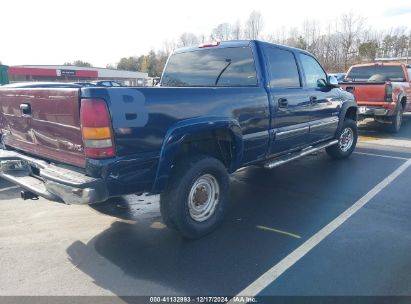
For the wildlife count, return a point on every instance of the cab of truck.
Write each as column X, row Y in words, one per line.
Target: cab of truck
column 382, row 91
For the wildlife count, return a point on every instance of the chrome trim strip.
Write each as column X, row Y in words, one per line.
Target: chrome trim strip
column 291, row 133
column 324, row 124
column 256, row 135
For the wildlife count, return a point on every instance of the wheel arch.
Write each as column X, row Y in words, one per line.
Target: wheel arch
column 403, row 100
column 182, row 132
column 348, row 110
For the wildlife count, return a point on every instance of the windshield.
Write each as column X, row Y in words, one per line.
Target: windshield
column 376, row 73
column 211, row 67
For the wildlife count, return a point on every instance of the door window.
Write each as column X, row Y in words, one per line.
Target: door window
column 314, row 74
column 283, row 68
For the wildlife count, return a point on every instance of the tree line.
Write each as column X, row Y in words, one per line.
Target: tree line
column 339, row 44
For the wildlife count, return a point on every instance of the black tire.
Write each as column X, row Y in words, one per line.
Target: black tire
column 174, row 201
column 343, row 149
column 165, row 213
column 396, row 120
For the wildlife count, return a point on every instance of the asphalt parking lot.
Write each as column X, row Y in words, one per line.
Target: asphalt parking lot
column 276, row 240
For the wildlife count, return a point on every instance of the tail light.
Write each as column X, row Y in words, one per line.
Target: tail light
column 388, row 92
column 96, row 129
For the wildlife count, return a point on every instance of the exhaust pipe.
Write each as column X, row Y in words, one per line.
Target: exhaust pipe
column 26, row 195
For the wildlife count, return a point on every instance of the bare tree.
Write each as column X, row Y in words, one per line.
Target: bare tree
column 254, row 25
column 292, row 37
column 330, row 54
column 281, row 35
column 221, row 32
column 311, row 33
column 236, row 31
column 187, row 39
column 351, row 27
column 169, row 46
column 202, row 38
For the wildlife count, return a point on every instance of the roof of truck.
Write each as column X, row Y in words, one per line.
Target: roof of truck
column 232, row 43
column 378, row 63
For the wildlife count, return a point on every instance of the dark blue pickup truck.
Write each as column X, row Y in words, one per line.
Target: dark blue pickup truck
column 219, row 107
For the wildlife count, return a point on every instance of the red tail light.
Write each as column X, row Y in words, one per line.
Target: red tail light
column 388, row 92
column 96, row 129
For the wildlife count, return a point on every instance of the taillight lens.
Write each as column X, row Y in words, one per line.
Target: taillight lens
column 96, row 129
column 388, row 92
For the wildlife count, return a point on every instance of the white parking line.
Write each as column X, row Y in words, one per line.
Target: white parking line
column 381, row 155
column 9, row 188
column 277, row 270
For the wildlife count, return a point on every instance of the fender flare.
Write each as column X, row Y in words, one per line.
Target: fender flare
column 343, row 112
column 176, row 135
column 401, row 96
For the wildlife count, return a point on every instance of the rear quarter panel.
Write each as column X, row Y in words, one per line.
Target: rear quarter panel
column 142, row 116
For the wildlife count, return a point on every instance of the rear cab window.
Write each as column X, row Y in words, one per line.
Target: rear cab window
column 282, row 68
column 376, row 73
column 219, row 67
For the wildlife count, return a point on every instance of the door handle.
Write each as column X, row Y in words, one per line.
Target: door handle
column 282, row 102
column 313, row 99
column 25, row 108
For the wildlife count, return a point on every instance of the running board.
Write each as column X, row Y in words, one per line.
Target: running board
column 270, row 164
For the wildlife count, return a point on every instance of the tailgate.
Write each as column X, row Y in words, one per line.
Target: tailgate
column 366, row 92
column 44, row 122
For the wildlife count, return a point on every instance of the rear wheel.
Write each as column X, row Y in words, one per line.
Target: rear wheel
column 347, row 140
column 396, row 120
column 195, row 200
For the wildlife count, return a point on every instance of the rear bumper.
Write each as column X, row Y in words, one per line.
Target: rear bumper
column 372, row 111
column 376, row 108
column 58, row 183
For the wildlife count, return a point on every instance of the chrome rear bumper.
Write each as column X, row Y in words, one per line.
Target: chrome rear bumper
column 51, row 181
column 370, row 111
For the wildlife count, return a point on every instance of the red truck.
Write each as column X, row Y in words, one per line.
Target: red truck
column 382, row 91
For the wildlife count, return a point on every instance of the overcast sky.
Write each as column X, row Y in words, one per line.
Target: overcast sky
column 101, row 32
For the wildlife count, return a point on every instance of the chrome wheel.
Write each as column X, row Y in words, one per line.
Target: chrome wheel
column 346, row 139
column 203, row 198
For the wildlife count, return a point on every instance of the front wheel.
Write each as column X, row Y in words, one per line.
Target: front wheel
column 195, row 200
column 347, row 140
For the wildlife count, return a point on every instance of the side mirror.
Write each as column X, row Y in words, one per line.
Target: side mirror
column 333, row 82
